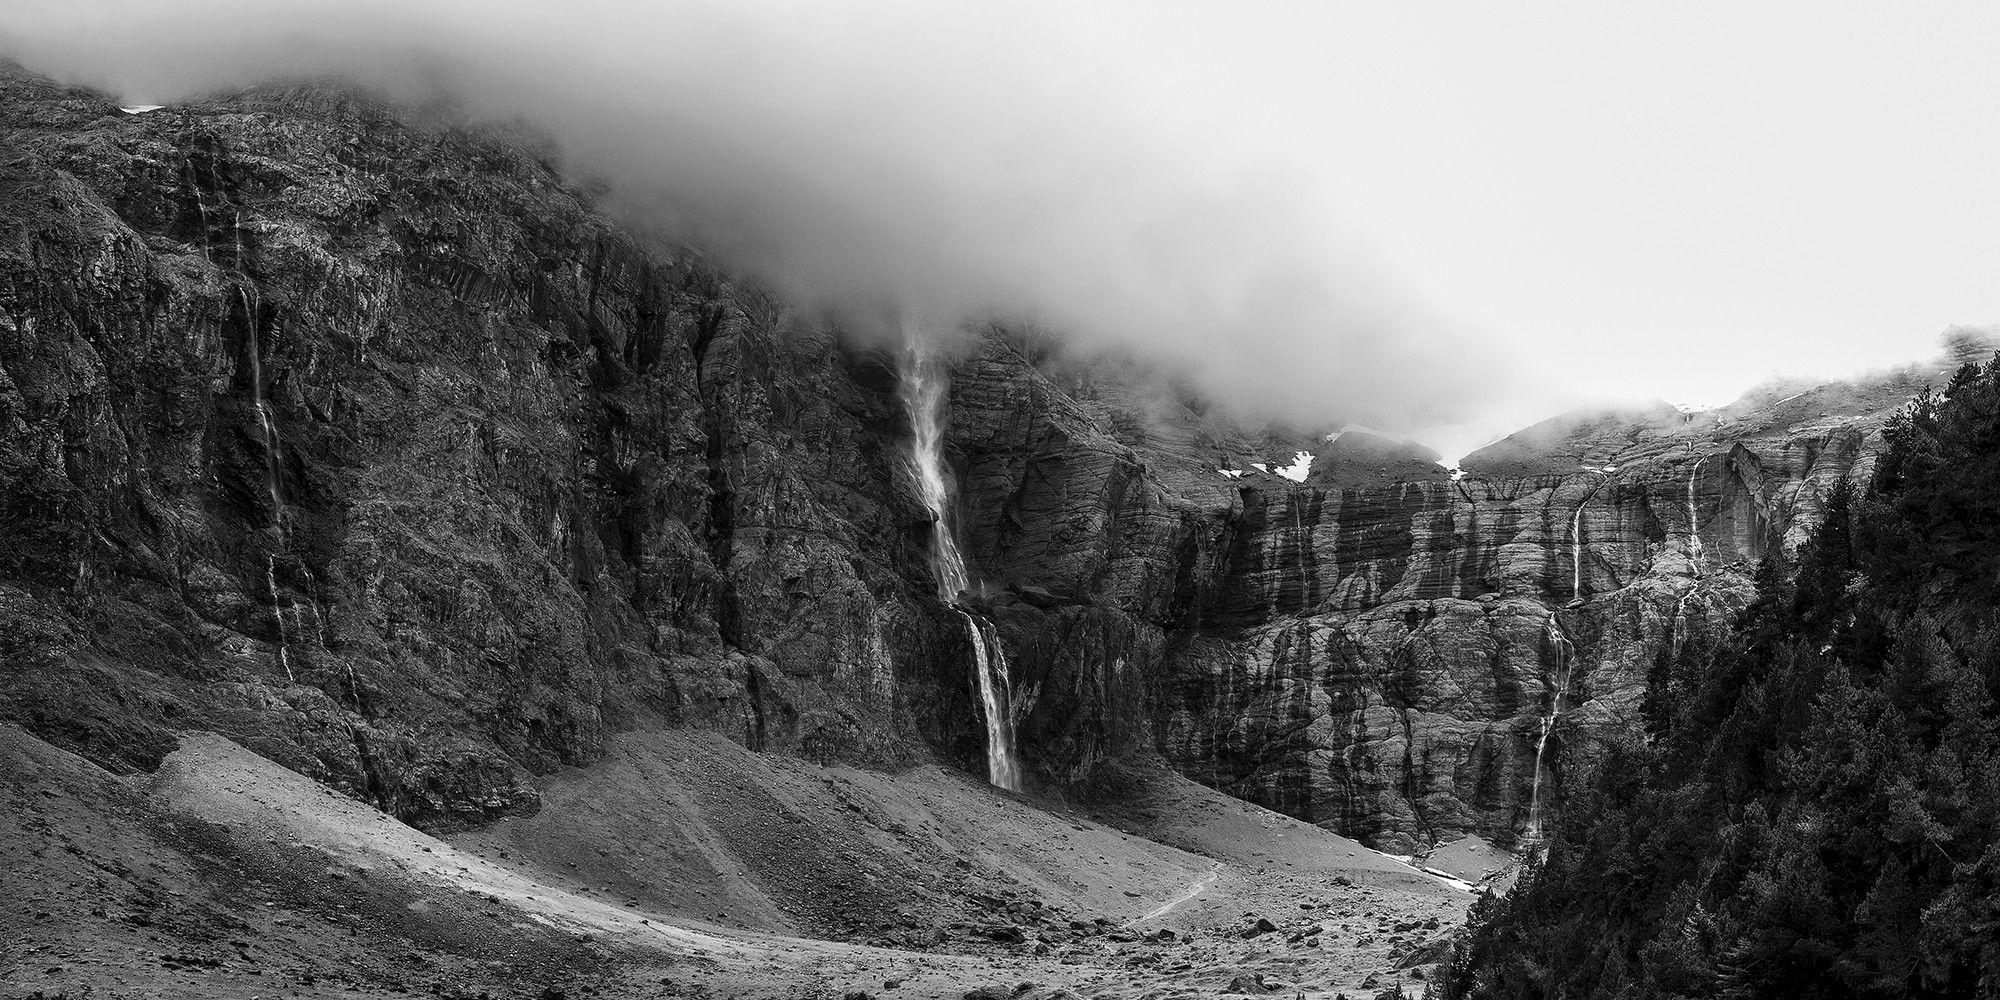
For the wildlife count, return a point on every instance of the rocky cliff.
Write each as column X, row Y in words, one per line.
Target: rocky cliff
column 371, row 443
column 1380, row 647
column 374, row 446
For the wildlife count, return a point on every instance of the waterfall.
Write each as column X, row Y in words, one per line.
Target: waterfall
column 200, row 208
column 1304, row 543
column 1695, row 555
column 1552, row 631
column 267, row 422
column 271, row 444
column 278, row 609
column 1694, row 523
column 1002, row 768
column 1576, row 553
column 924, row 383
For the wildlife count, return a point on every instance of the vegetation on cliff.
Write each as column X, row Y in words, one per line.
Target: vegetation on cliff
column 1815, row 813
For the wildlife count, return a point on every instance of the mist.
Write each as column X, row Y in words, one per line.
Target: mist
column 951, row 163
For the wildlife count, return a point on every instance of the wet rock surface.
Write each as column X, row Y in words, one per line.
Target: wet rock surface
column 374, row 445
column 1376, row 648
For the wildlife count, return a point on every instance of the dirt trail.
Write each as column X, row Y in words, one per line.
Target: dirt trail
column 1196, row 888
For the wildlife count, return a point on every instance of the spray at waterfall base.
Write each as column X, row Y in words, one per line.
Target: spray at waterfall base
column 924, row 384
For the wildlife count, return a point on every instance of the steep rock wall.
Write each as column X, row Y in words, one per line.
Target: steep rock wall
column 378, row 449
column 1374, row 649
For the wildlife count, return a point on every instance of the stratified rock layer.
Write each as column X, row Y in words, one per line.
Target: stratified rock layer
column 1377, row 648
column 375, row 447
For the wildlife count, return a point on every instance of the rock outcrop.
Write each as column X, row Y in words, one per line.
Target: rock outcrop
column 376, row 447
column 1376, row 648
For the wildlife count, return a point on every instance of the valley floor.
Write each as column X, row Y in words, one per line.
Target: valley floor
column 686, row 866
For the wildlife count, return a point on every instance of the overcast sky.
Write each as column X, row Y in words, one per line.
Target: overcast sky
column 1413, row 212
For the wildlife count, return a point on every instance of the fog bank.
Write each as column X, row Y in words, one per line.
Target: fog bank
column 957, row 162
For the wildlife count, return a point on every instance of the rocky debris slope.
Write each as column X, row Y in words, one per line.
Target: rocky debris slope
column 223, row 875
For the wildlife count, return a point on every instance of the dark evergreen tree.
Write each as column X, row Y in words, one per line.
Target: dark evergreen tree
column 1817, row 809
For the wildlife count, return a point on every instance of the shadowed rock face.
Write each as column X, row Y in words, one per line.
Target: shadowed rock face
column 1372, row 650
column 376, row 448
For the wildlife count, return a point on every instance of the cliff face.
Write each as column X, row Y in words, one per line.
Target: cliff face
column 374, row 447
column 1379, row 647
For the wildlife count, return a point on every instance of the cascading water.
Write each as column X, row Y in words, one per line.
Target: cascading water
column 1565, row 651
column 1552, row 632
column 1576, row 553
column 1695, row 555
column 278, row 609
column 273, row 446
column 200, row 208
column 1304, row 544
column 923, row 390
column 1694, row 522
column 268, row 440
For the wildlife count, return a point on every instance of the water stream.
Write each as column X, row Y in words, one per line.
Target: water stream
column 1694, row 522
column 272, row 445
column 1565, row 653
column 924, row 383
column 1552, row 632
column 1695, row 555
column 1576, row 553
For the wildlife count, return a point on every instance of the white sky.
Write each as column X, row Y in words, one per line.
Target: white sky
column 1621, row 199
column 1670, row 200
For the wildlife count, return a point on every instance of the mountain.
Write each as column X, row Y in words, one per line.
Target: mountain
column 1815, row 811
column 358, row 454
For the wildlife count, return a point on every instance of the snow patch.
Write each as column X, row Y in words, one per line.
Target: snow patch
column 1449, row 879
column 140, row 109
column 1301, row 464
column 1231, row 473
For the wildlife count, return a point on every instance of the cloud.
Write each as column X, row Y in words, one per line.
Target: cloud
column 951, row 161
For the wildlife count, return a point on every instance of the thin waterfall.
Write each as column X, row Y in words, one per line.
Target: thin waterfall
column 1576, row 553
column 1695, row 555
column 200, row 208
column 1303, row 542
column 1552, row 632
column 1576, row 537
column 924, row 382
column 1565, row 652
column 272, row 445
column 278, row 609
column 1694, row 522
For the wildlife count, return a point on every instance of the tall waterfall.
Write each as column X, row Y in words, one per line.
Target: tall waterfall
column 1565, row 651
column 1552, row 632
column 924, row 383
column 270, row 444
column 1695, row 555
column 1694, row 522
column 1576, row 552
